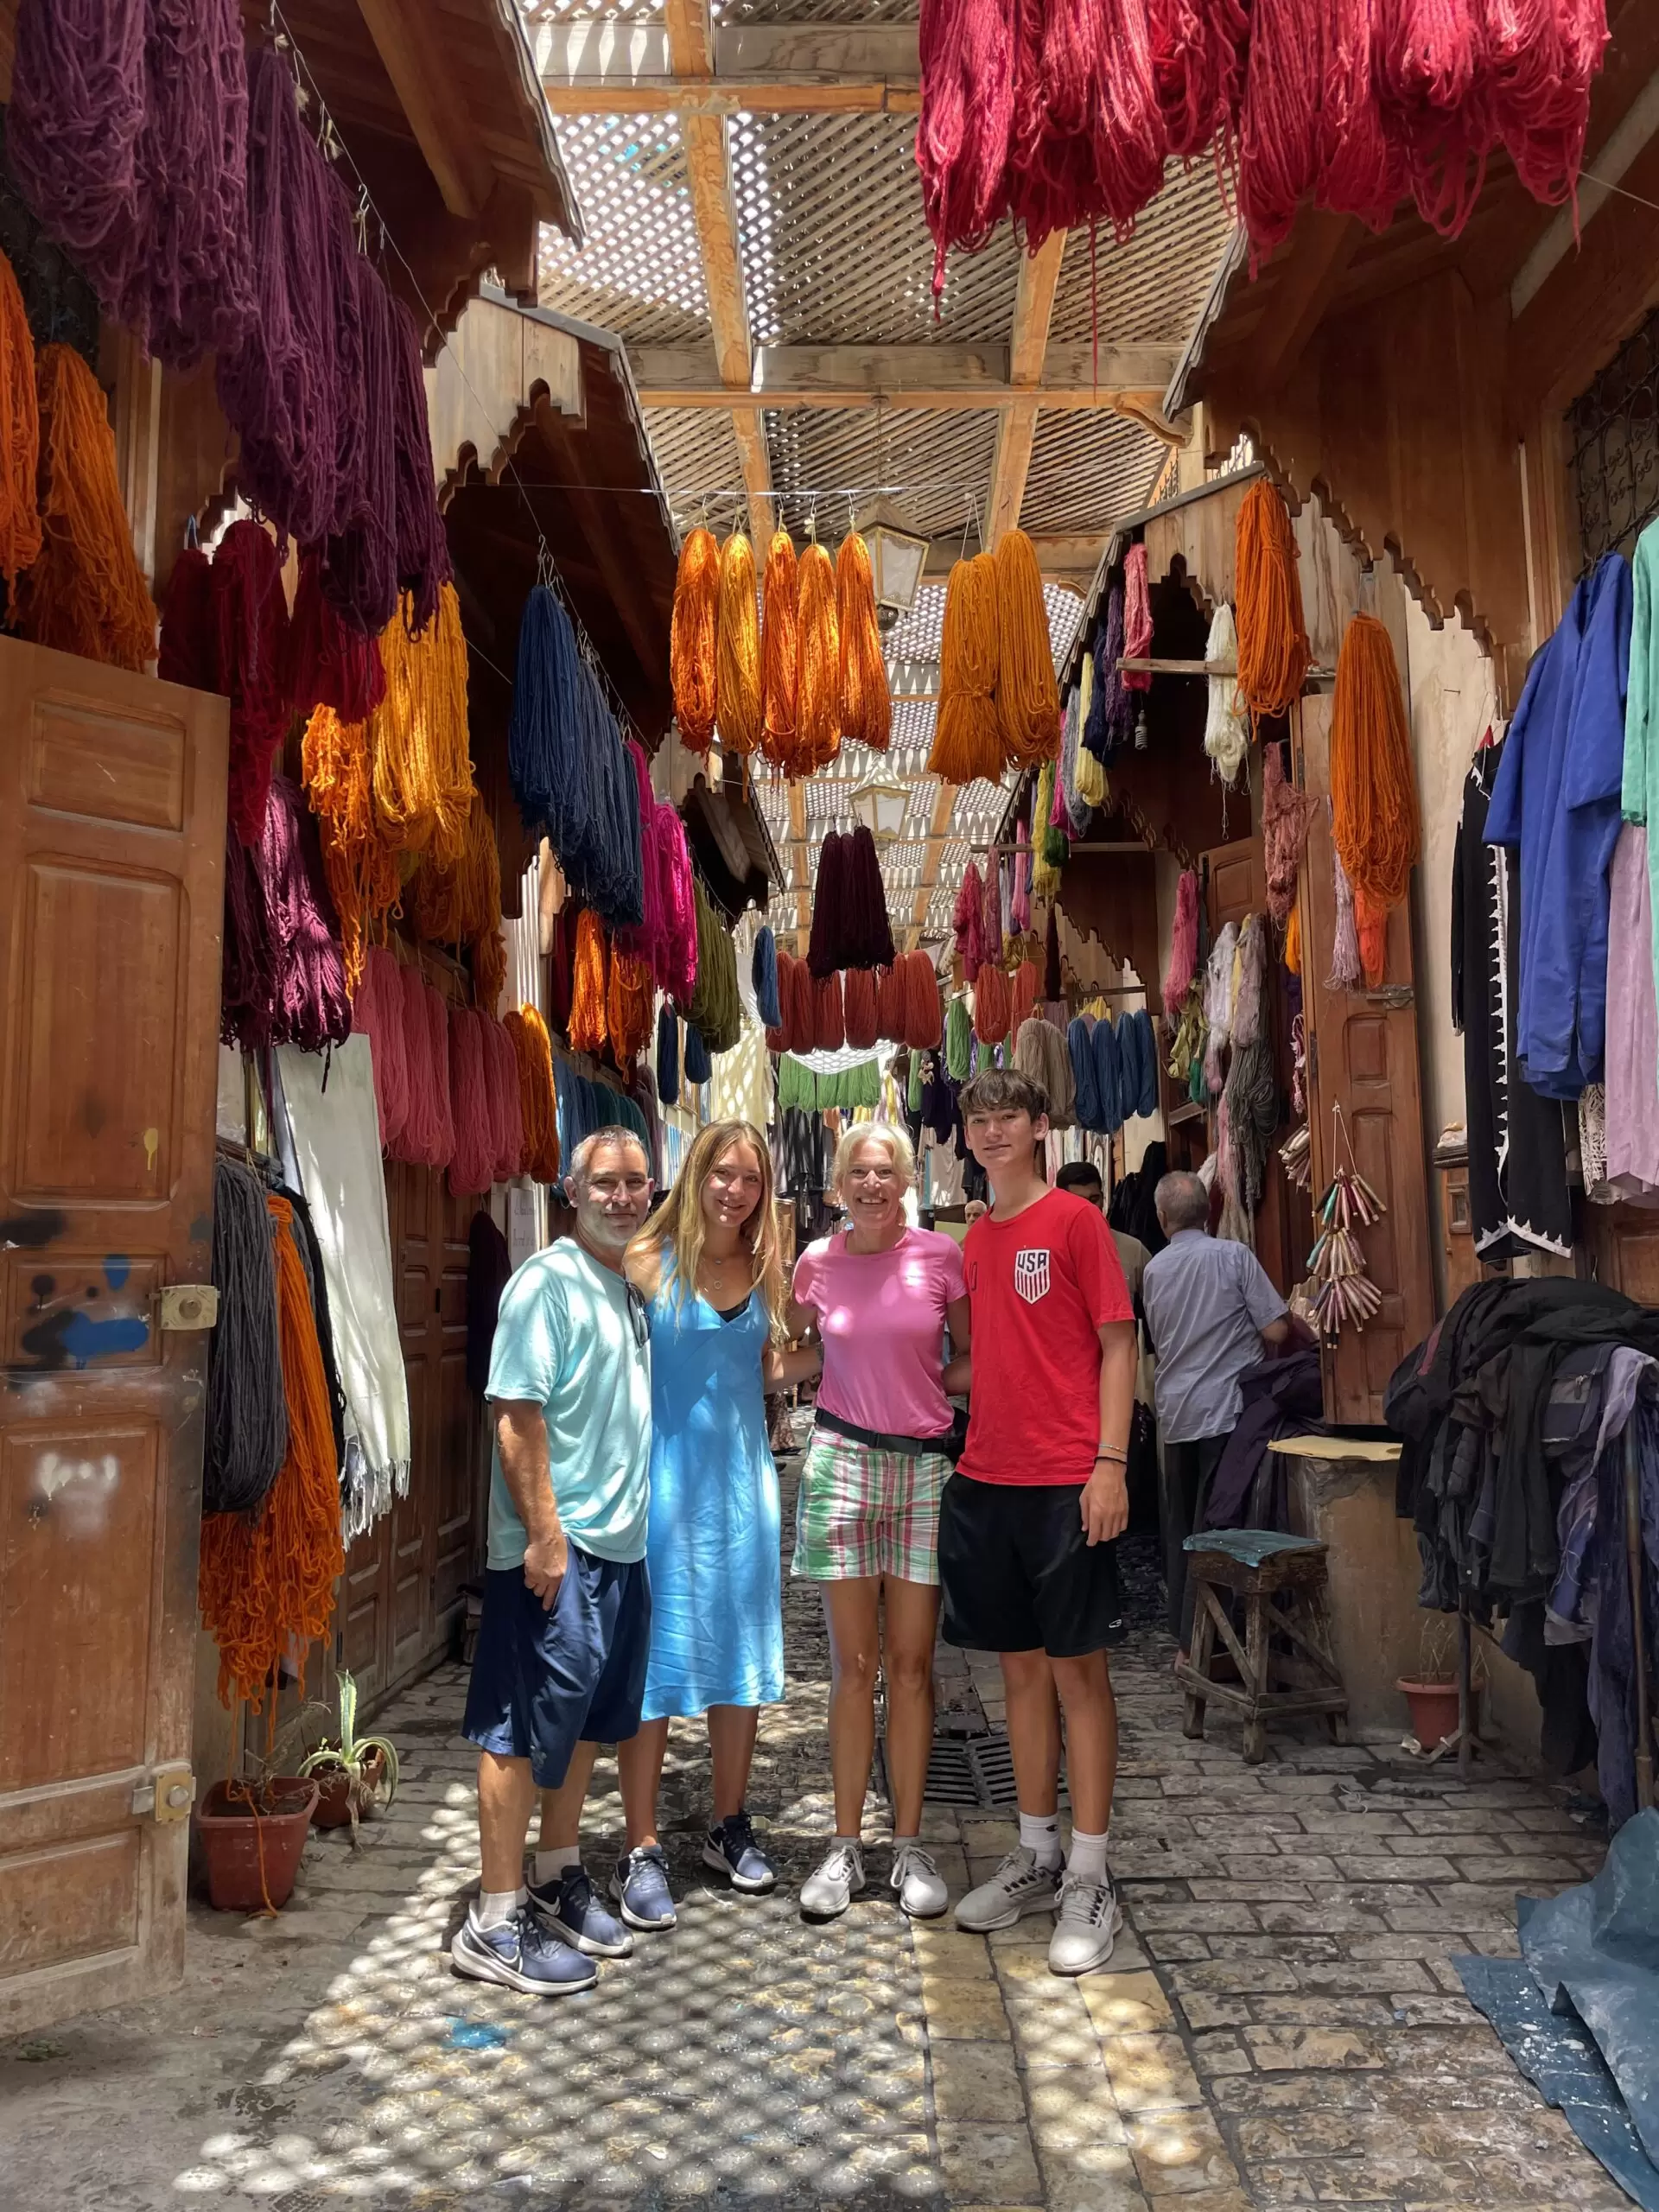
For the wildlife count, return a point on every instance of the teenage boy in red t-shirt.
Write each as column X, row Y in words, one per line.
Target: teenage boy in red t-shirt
column 1026, row 1523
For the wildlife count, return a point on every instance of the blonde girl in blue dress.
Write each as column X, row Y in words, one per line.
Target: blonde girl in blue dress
column 709, row 1265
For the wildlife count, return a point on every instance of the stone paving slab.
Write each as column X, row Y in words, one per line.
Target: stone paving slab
column 1281, row 2024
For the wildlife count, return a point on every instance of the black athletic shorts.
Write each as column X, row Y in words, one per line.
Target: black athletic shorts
column 1017, row 1573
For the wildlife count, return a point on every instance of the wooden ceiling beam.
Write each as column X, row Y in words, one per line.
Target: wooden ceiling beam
column 713, row 210
column 595, row 67
column 1142, row 404
column 1033, row 307
column 411, row 42
column 938, row 830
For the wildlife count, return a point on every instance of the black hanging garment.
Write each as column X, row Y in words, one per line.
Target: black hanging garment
column 1518, row 1198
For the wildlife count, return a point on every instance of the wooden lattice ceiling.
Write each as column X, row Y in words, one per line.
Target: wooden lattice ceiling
column 753, row 229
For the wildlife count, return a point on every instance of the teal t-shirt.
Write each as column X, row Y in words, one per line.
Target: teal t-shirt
column 566, row 1340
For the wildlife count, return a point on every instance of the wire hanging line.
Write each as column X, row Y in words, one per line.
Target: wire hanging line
column 334, row 148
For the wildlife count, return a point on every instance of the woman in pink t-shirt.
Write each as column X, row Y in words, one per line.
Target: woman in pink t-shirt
column 880, row 1294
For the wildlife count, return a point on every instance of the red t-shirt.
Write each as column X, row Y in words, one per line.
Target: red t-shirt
column 1041, row 1287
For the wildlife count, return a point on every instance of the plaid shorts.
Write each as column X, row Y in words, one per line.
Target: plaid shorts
column 863, row 1511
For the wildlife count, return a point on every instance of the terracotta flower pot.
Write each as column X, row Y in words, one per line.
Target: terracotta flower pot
column 335, row 1786
column 1433, row 1711
column 253, row 1858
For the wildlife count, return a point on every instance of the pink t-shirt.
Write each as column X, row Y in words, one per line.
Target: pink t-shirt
column 881, row 1315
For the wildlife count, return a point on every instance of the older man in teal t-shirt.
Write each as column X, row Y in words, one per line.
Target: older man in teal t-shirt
column 566, row 1627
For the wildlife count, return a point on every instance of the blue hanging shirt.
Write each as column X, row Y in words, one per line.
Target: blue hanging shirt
column 1557, row 800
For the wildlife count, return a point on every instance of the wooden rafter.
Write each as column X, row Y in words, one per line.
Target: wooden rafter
column 596, row 67
column 1033, row 305
column 407, row 38
column 713, row 210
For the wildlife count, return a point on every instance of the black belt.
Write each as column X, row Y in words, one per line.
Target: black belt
column 909, row 1444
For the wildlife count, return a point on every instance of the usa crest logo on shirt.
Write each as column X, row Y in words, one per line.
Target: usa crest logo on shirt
column 1031, row 1275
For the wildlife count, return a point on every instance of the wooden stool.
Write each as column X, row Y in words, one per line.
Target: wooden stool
column 1281, row 1580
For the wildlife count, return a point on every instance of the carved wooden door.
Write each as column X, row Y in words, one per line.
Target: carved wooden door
column 111, row 865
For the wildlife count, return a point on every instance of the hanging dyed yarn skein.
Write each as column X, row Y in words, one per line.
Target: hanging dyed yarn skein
column 1027, row 697
column 363, row 878
column 1226, row 731
column 866, row 702
column 1273, row 649
column 779, row 650
column 693, row 638
column 818, row 698
column 423, row 785
column 737, row 654
column 1374, row 815
column 20, row 421
column 84, row 593
column 966, row 738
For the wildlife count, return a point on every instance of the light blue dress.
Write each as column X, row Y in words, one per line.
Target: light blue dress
column 716, row 1582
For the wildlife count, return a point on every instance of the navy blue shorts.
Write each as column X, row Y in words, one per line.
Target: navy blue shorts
column 543, row 1682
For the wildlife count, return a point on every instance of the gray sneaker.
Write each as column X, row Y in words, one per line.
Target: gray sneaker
column 827, row 1894
column 1090, row 1917
column 1020, row 1885
column 919, row 1882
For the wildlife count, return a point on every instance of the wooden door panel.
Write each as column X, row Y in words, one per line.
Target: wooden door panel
column 1363, row 1056
column 364, row 1634
column 111, row 857
column 77, row 1546
column 101, row 955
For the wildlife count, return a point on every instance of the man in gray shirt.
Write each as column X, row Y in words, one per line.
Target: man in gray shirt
column 1209, row 1309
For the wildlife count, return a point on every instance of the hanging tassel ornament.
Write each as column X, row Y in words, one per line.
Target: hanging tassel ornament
column 779, row 651
column 1343, row 1295
column 737, row 654
column 692, row 638
column 866, row 702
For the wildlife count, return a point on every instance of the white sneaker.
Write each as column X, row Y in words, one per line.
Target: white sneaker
column 836, row 1883
column 1018, row 1886
column 919, row 1882
column 1091, row 1916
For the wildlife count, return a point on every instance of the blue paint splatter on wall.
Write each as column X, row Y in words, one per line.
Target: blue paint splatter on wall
column 116, row 1268
column 85, row 1339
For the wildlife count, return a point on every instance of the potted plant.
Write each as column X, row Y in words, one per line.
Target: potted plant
column 352, row 1773
column 1432, row 1693
column 253, row 1834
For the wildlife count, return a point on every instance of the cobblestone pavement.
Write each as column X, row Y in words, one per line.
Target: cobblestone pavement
column 1281, row 2025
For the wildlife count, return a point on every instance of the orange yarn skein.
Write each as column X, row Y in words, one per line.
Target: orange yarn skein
column 1273, row 649
column 363, row 878
column 779, row 650
column 967, row 739
column 865, row 702
column 692, row 638
column 817, row 696
column 264, row 1583
column 84, row 593
column 630, row 1004
column 992, row 1004
column 587, row 1030
column 1374, row 814
column 737, row 657
column 424, row 783
column 537, row 1098
column 1027, row 695
column 20, row 421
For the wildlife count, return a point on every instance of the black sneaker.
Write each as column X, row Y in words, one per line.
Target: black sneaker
column 570, row 1906
column 733, row 1849
column 520, row 1954
column 640, row 1887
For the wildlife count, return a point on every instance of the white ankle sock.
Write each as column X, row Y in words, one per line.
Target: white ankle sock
column 1040, row 1833
column 550, row 1864
column 494, row 1907
column 1087, row 1856
column 848, row 1843
column 903, row 1842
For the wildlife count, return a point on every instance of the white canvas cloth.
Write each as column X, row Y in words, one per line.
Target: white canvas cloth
column 331, row 1140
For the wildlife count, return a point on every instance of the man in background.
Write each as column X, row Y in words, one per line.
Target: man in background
column 1081, row 1178
column 1208, row 1308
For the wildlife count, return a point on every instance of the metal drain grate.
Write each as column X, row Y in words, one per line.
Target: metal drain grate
column 976, row 1774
